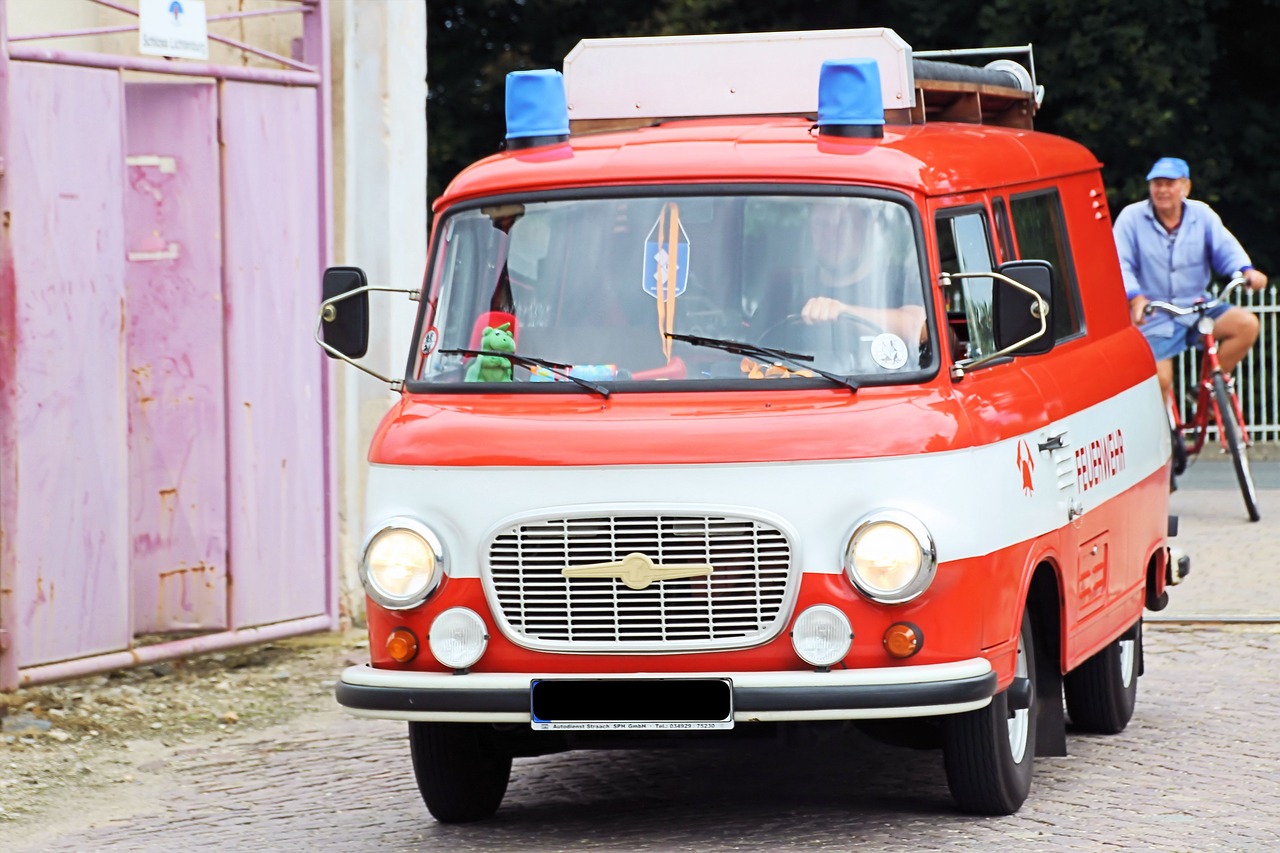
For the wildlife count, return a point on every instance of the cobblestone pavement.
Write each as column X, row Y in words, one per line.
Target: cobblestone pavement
column 1198, row 768
column 1232, row 558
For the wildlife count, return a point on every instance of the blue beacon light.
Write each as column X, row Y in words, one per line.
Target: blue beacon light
column 850, row 103
column 537, row 111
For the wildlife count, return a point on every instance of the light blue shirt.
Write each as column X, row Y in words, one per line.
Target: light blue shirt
column 1174, row 267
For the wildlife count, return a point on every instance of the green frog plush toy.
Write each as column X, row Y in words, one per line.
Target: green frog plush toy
column 493, row 368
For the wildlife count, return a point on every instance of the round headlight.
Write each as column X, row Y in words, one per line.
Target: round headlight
column 458, row 638
column 402, row 564
column 822, row 635
column 890, row 557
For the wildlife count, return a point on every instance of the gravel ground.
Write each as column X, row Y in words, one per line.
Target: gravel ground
column 84, row 740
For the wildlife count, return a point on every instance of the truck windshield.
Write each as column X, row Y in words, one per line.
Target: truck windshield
column 633, row 290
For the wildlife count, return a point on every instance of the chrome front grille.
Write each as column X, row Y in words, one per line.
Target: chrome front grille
column 740, row 603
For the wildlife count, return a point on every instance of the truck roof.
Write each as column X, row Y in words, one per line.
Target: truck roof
column 933, row 159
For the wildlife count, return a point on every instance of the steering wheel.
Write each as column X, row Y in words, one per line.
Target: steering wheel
column 837, row 346
column 795, row 330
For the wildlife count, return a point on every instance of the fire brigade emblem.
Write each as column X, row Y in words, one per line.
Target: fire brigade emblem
column 1026, row 464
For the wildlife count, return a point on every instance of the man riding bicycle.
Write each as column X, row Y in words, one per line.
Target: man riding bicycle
column 1170, row 246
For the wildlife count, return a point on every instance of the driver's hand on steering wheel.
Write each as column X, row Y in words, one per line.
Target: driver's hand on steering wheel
column 824, row 309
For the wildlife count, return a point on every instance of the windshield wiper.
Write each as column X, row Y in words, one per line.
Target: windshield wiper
column 756, row 351
column 528, row 362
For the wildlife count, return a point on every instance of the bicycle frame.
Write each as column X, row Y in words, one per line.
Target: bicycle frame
column 1215, row 392
column 1197, row 429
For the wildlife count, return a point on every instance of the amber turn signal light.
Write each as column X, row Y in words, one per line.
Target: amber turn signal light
column 902, row 640
column 402, row 645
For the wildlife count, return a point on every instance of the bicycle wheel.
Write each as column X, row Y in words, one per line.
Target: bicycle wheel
column 1233, row 434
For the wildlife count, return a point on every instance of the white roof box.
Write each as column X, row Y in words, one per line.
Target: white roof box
column 722, row 75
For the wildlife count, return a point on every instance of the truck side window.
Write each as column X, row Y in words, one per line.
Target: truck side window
column 964, row 245
column 1038, row 222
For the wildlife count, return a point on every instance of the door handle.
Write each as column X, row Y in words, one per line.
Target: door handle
column 1054, row 442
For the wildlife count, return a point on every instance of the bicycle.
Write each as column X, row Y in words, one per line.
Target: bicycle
column 1215, row 393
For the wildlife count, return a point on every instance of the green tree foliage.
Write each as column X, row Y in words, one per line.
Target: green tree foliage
column 473, row 45
column 1239, row 161
column 1131, row 79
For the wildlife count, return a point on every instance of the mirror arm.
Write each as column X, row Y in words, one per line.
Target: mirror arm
column 328, row 313
column 1042, row 314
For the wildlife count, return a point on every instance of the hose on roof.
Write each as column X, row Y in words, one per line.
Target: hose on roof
column 954, row 72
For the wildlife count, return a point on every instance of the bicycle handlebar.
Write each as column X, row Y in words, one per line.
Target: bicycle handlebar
column 1237, row 279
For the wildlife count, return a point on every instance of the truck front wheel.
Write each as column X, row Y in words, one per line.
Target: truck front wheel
column 462, row 769
column 989, row 753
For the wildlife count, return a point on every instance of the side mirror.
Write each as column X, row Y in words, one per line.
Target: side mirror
column 342, row 329
column 1022, row 323
column 344, row 312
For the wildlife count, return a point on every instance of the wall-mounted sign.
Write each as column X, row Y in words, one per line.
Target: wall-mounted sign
column 173, row 28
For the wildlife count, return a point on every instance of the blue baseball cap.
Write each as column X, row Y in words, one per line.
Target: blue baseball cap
column 1169, row 167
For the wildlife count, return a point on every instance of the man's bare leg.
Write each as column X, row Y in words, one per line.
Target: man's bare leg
column 1164, row 372
column 1236, row 330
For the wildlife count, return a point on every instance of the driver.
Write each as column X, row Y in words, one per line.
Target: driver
column 855, row 272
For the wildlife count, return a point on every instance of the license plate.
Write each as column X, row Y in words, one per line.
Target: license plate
column 606, row 704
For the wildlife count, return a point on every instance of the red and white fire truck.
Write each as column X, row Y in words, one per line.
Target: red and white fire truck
column 763, row 381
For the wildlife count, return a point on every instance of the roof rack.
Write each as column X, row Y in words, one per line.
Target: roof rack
column 630, row 82
column 1001, row 92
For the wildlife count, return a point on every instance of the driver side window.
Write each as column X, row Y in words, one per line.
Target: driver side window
column 964, row 245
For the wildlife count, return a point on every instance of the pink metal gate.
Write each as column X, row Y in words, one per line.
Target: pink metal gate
column 164, row 416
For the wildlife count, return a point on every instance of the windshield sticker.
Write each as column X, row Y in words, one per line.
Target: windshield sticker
column 889, row 351
column 429, row 340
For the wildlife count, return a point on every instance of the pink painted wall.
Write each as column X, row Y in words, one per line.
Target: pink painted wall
column 164, row 412
column 176, row 392
column 70, row 471
column 275, row 416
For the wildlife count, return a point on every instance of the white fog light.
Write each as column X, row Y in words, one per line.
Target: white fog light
column 458, row 638
column 890, row 557
column 402, row 564
column 822, row 635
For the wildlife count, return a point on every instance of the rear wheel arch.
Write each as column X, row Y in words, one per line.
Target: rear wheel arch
column 1157, row 596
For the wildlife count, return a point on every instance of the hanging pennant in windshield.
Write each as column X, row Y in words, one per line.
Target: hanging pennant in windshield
column 666, row 255
column 666, row 268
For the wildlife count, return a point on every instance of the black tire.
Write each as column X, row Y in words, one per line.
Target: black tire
column 1234, row 435
column 462, row 769
column 1179, row 452
column 989, row 754
column 1101, row 692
